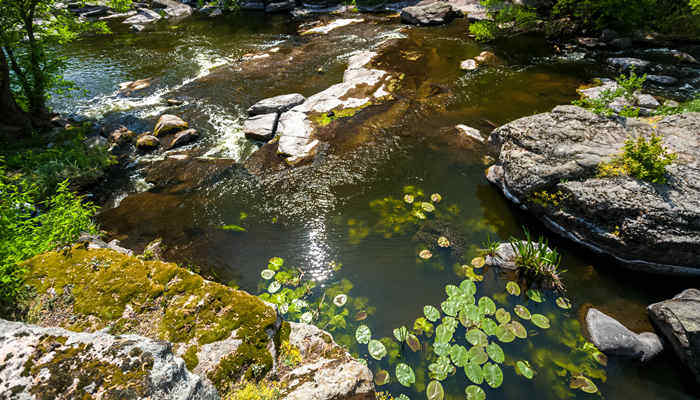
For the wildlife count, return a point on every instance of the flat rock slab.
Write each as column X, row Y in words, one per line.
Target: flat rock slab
column 431, row 13
column 338, row 23
column 548, row 165
column 627, row 63
column 614, row 339
column 277, row 104
column 144, row 16
column 261, row 127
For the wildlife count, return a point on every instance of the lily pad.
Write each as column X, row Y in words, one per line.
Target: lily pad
column 408, row 198
column 487, row 306
column 376, row 349
column 306, row 317
column 452, row 290
column 403, row 397
column 413, row 342
column 513, row 288
column 431, row 313
column 477, row 354
column 267, row 274
column 502, row 316
column 493, row 375
column 476, row 337
column 450, row 307
column 478, row 262
column 474, row 392
column 535, row 295
column 405, row 375
column 400, row 334
column 435, row 198
column 382, row 377
column 443, row 333
column 474, row 372
column 427, row 207
column 518, row 329
column 340, row 300
column 363, row 334
column 434, row 391
column 443, row 242
column 274, row 287
column 459, row 355
column 583, row 383
column 275, row 263
column 523, row 368
column 441, row 348
column 489, row 326
column 495, row 352
column 472, row 315
column 450, row 322
column 361, row 316
column 425, row 254
column 540, row 321
column 468, row 287
column 563, row 303
column 470, row 274
column 440, row 368
column 504, row 334
column 522, row 312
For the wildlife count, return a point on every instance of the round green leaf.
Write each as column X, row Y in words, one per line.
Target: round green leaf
column 518, row 329
column 434, row 391
column 413, row 342
column 452, row 290
column 474, row 392
column 267, row 274
column 468, row 287
column 440, row 368
column 427, row 207
column 535, row 295
column 363, row 334
column 431, row 313
column 540, row 321
column 513, row 288
column 504, row 334
column 487, row 306
column 306, row 317
column 450, row 307
column 459, row 355
column 275, row 263
column 274, row 287
column 476, row 337
column 441, row 348
column 495, row 352
column 405, row 375
column 563, row 303
column 474, row 372
column 382, row 377
column 493, row 375
column 488, row 326
column 340, row 300
column 523, row 368
column 522, row 312
column 403, row 397
column 477, row 355
column 443, row 333
column 401, row 333
column 472, row 316
column 376, row 349
column 502, row 316
column 450, row 322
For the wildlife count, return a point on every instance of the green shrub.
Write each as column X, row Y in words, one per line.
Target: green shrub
column 629, row 84
column 120, row 5
column 641, row 158
column 507, row 19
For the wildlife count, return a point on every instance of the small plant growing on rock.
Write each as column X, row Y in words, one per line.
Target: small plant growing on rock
column 642, row 159
column 537, row 261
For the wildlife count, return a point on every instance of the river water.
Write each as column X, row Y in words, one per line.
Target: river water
column 342, row 208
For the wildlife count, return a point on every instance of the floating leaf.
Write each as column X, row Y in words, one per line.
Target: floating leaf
column 478, row 262
column 470, row 274
column 441, row 348
column 413, row 342
column 459, row 355
column 502, row 316
column 422, row 326
column 283, row 308
column 435, row 391
column 408, row 198
column 425, row 254
column 427, row 207
column 435, row 198
column 440, row 368
column 382, row 377
column 468, row 287
column 363, row 334
column 474, row 372
column 452, row 290
column 474, row 392
column 275, row 263
column 376, row 349
column 443, row 333
column 472, row 316
column 535, row 295
column 504, row 334
column 522, row 312
column 431, row 313
column 540, row 321
column 563, row 303
column 487, row 306
column 476, row 337
column 523, row 368
column 340, row 300
column 267, row 274
column 495, row 352
column 513, row 288
column 518, row 329
column 361, row 316
column 443, row 242
column 403, row 397
column 488, row 326
column 405, row 375
column 583, row 383
column 493, row 375
column 450, row 322
column 306, row 317
column 450, row 307
column 274, row 287
column 401, row 333
column 478, row 355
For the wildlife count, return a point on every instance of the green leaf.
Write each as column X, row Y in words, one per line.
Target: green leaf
column 502, row 316
column 459, row 355
column 563, row 303
column 583, row 383
column 443, row 333
column 267, row 274
column 493, row 375
column 376, row 349
column 478, row 355
column 400, row 334
column 474, row 372
column 440, row 368
column 488, row 326
column 535, row 295
column 427, row 207
column 450, row 307
column 476, row 337
column 522, row 312
column 441, row 348
column 233, row 228
column 274, row 287
column 452, row 290
column 513, row 288
column 504, row 334
column 405, row 375
column 472, row 316
column 275, row 263
column 435, row 391
column 486, row 306
column 363, row 334
column 431, row 313
column 495, row 352
column 474, row 392
column 523, row 368
column 540, row 321
column 468, row 287
column 403, row 397
column 518, row 329
column 413, row 342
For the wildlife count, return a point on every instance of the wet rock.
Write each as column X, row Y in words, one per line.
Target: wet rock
column 338, row 23
column 646, row 101
column 429, row 13
column 470, row 132
column 252, row 5
column 621, row 43
column 505, row 256
column 279, row 6
column 684, row 57
column 678, row 319
column 147, row 142
column 277, row 104
column 168, row 123
column 597, row 91
column 52, row 361
column 121, row 135
column 671, row 104
column 174, row 102
column 173, row 8
column 137, row 27
column 126, row 88
column 487, row 58
column 144, row 16
column 662, row 80
column 261, row 127
column 211, row 11
column 296, row 137
column 468, row 65
column 183, row 138
column 590, row 42
column 123, row 15
column 649, row 227
column 626, row 63
column 608, row 34
column 614, row 339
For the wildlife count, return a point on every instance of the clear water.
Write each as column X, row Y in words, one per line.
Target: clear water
column 321, row 213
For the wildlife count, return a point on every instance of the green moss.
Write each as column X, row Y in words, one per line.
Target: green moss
column 190, row 357
column 325, row 119
column 283, row 334
column 251, row 359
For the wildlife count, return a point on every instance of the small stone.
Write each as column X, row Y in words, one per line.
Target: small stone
column 183, row 138
column 168, row 123
column 621, row 43
column 487, row 58
column 147, row 142
column 435, row 13
column 174, row 102
column 646, row 101
column 608, row 34
column 468, row 65
column 121, row 135
column 470, row 132
column 614, row 339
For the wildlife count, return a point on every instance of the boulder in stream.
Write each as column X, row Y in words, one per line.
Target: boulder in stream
column 614, row 339
column 429, row 12
column 261, row 127
column 168, row 123
column 147, row 142
column 277, row 104
column 144, row 16
column 184, row 137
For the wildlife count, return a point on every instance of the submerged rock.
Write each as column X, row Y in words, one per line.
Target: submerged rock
column 678, row 319
column 277, row 104
column 59, row 364
column 429, row 13
column 168, row 123
column 614, row 339
column 626, row 63
column 548, row 164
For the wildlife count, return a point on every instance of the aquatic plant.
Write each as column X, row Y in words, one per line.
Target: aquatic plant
column 537, row 262
column 642, row 159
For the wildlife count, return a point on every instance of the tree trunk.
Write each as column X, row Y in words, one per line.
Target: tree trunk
column 13, row 120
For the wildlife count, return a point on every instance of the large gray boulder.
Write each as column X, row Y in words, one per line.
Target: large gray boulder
column 173, row 8
column 144, row 16
column 59, row 364
column 277, row 104
column 548, row 165
column 429, row 13
column 614, row 339
column 679, row 321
